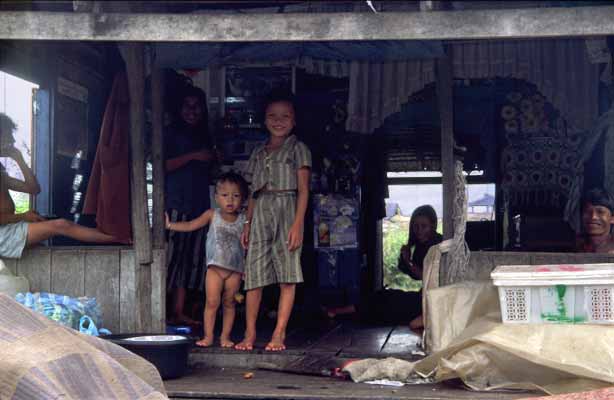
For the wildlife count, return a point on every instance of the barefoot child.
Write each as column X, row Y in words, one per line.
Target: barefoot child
column 225, row 259
column 273, row 234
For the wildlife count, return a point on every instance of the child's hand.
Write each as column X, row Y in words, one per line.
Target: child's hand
column 245, row 236
column 167, row 221
column 295, row 236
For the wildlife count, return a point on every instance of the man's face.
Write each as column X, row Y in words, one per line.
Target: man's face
column 191, row 110
column 597, row 220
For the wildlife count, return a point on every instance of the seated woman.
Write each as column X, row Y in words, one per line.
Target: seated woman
column 597, row 221
column 398, row 306
column 20, row 230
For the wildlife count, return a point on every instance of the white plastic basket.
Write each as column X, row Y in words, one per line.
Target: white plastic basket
column 578, row 293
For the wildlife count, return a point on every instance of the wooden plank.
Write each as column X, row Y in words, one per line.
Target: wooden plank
column 157, row 157
column 127, row 292
column 510, row 258
column 35, row 264
column 11, row 264
column 334, row 341
column 366, row 341
column 228, row 383
column 135, row 294
column 144, row 298
column 133, row 54
column 102, row 282
column 436, row 25
column 68, row 272
column 480, row 265
column 445, row 103
column 158, row 291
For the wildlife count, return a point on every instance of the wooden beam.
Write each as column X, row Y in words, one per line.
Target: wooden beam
column 445, row 102
column 157, row 156
column 134, row 56
column 434, row 25
column 158, row 266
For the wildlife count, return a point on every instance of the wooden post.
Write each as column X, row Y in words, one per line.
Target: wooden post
column 157, row 156
column 134, row 57
column 137, row 277
column 445, row 100
column 158, row 267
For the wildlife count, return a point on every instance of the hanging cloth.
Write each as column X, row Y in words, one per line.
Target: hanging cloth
column 108, row 191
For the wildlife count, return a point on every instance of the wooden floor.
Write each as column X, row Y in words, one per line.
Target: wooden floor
column 217, row 383
column 345, row 338
column 314, row 349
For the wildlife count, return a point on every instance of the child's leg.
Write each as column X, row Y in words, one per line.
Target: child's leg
column 231, row 287
column 39, row 231
column 286, row 302
column 213, row 286
column 252, row 306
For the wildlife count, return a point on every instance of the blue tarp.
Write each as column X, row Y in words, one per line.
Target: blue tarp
column 199, row 55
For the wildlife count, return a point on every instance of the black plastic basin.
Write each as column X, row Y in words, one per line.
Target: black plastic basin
column 169, row 353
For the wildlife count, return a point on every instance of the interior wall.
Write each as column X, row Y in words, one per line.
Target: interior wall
column 84, row 66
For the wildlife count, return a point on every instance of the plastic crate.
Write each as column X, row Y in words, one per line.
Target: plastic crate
column 571, row 293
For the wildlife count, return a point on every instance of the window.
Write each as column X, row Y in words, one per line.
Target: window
column 16, row 99
column 406, row 193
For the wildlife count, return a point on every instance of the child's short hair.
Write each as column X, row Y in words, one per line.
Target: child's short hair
column 233, row 177
column 598, row 197
column 7, row 125
column 279, row 95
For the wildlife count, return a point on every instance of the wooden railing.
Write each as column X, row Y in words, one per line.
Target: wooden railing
column 107, row 273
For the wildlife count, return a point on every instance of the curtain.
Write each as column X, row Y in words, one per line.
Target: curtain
column 560, row 68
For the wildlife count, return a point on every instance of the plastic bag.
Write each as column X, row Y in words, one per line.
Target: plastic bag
column 65, row 310
column 87, row 326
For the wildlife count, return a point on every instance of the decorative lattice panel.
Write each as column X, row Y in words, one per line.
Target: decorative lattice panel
column 516, row 307
column 599, row 302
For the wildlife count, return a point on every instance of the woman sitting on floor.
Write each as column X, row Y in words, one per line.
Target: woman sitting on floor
column 398, row 306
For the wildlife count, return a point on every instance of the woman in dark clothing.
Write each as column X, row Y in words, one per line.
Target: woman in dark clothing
column 189, row 155
column 393, row 306
column 422, row 235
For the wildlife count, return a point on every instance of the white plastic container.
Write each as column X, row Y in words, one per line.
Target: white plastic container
column 570, row 293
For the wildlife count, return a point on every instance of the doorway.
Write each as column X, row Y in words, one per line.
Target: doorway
column 16, row 101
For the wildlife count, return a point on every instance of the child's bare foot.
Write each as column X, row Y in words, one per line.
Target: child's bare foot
column 205, row 342
column 276, row 344
column 226, row 342
column 247, row 344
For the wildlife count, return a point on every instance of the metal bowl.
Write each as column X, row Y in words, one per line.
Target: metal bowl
column 169, row 353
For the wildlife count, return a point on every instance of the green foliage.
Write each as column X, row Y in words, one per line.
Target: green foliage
column 395, row 236
column 21, row 200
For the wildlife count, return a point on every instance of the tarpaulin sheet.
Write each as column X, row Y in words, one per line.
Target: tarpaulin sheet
column 40, row 359
column 471, row 343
